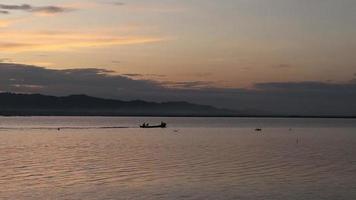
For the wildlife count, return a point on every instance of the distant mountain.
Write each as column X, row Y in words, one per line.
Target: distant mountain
column 81, row 105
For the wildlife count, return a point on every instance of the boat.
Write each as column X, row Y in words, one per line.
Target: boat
column 258, row 129
column 162, row 125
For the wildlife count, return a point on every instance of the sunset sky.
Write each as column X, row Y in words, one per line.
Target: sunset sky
column 231, row 42
column 226, row 44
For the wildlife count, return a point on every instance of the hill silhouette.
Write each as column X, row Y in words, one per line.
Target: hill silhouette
column 82, row 105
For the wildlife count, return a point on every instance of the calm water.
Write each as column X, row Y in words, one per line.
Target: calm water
column 199, row 158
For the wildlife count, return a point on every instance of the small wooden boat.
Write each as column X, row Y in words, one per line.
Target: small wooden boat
column 162, row 125
column 258, row 129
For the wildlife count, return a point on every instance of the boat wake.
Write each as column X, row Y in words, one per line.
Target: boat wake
column 64, row 128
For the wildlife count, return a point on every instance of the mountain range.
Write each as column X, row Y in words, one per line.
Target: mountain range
column 12, row 104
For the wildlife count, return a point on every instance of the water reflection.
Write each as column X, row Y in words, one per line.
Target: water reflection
column 196, row 163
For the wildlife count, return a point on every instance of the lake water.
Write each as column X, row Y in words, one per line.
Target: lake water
column 194, row 158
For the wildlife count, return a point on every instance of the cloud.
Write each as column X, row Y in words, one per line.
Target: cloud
column 98, row 82
column 117, row 3
column 16, row 7
column 133, row 75
column 5, row 60
column 47, row 41
column 5, row 12
column 35, row 9
column 308, row 86
column 108, row 3
column 145, row 7
column 287, row 98
column 13, row 46
column 136, row 75
column 188, row 84
column 50, row 10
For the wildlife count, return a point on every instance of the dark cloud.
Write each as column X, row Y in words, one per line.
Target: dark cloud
column 306, row 86
column 117, row 3
column 289, row 98
column 188, row 84
column 16, row 7
column 144, row 75
column 133, row 75
column 51, row 9
column 35, row 9
column 98, row 82
column 4, row 12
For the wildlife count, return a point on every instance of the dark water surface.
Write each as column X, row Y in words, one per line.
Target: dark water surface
column 195, row 158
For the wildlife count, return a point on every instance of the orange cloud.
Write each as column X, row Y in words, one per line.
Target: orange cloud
column 65, row 41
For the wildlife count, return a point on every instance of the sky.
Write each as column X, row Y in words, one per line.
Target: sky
column 181, row 47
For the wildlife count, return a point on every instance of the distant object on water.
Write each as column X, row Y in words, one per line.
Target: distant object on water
column 258, row 129
column 162, row 125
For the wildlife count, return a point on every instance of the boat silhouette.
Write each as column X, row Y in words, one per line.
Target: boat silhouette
column 162, row 125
